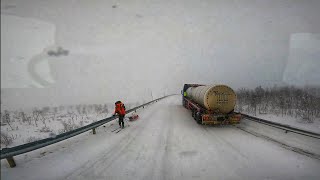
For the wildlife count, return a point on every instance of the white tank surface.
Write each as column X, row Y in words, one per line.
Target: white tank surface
column 218, row 98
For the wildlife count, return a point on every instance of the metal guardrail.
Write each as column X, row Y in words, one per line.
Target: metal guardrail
column 284, row 127
column 8, row 153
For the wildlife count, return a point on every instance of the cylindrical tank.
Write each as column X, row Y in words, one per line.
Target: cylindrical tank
column 219, row 98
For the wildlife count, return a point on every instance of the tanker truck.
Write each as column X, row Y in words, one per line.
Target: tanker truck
column 210, row 104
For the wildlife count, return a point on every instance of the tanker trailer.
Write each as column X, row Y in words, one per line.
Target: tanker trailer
column 213, row 104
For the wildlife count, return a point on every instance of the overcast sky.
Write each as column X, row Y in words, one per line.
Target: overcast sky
column 135, row 50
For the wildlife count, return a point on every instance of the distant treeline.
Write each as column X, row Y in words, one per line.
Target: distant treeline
column 302, row 103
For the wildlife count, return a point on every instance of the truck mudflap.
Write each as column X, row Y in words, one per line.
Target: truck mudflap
column 209, row 119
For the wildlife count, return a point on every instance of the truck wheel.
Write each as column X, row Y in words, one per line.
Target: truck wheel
column 198, row 118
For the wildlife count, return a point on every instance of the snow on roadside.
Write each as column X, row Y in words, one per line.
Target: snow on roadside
column 291, row 121
column 66, row 156
column 24, row 132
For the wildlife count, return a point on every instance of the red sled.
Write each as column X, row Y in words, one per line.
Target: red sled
column 133, row 117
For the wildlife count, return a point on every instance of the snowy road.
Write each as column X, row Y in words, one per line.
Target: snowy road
column 165, row 143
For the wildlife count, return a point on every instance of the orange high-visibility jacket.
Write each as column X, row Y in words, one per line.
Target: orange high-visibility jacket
column 120, row 108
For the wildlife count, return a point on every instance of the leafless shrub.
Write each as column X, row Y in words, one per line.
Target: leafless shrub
column 36, row 113
column 29, row 120
column 292, row 101
column 42, row 117
column 68, row 126
column 55, row 109
column 305, row 117
column 60, row 131
column 54, row 113
column 45, row 109
column 61, row 108
column 6, row 139
column 32, row 139
column 73, row 116
column 7, row 119
column 45, row 129
column 105, row 109
column 23, row 116
column 84, row 112
column 52, row 135
column 62, row 116
column 78, row 108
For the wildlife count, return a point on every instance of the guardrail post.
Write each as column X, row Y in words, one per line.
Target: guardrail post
column 94, row 130
column 11, row 162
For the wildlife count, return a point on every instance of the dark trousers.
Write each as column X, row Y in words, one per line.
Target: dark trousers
column 121, row 123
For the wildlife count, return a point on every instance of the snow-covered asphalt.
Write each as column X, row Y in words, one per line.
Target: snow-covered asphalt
column 165, row 143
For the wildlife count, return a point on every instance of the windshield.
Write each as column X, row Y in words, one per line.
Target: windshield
column 65, row 63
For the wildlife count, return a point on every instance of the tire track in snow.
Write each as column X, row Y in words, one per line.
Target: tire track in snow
column 284, row 145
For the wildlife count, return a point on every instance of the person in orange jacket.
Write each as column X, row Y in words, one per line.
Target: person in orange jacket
column 120, row 109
